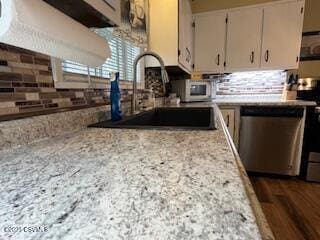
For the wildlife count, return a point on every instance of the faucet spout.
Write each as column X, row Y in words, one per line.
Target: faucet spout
column 164, row 76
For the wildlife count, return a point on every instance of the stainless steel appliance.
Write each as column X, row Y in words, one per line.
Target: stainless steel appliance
column 193, row 91
column 309, row 89
column 271, row 139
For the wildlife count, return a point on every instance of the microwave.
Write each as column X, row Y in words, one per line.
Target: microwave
column 193, row 91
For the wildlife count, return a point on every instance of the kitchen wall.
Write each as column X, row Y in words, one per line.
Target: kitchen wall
column 27, row 86
column 311, row 23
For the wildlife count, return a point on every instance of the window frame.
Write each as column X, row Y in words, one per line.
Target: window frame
column 67, row 80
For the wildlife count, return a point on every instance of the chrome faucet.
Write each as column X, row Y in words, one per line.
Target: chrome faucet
column 164, row 76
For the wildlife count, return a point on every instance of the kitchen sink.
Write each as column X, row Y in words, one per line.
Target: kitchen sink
column 171, row 118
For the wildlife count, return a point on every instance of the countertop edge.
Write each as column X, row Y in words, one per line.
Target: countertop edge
column 288, row 103
column 263, row 225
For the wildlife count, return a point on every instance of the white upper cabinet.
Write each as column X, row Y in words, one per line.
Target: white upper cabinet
column 189, row 39
column 282, row 32
column 210, row 37
column 170, row 33
column 111, row 9
column 185, row 35
column 260, row 37
column 182, row 53
column 244, row 37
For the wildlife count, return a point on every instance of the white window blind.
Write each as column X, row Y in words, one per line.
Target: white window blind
column 123, row 55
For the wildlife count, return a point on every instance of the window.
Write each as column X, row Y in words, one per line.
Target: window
column 123, row 55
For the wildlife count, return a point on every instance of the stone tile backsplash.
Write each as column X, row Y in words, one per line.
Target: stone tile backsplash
column 248, row 83
column 153, row 81
column 27, row 86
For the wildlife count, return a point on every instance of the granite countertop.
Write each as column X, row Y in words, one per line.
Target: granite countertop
column 246, row 102
column 237, row 102
column 260, row 101
column 125, row 184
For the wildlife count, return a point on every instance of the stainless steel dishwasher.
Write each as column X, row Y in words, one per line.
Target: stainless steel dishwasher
column 271, row 139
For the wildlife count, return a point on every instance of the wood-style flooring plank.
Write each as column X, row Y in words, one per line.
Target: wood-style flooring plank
column 291, row 206
column 280, row 223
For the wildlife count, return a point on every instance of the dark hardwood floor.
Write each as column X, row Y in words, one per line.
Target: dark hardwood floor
column 291, row 206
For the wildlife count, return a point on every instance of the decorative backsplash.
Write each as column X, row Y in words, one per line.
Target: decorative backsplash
column 153, row 78
column 244, row 83
column 153, row 81
column 27, row 86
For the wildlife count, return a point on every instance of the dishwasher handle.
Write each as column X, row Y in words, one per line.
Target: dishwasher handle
column 295, row 112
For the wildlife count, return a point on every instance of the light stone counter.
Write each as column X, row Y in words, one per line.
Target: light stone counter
column 259, row 100
column 275, row 103
column 126, row 184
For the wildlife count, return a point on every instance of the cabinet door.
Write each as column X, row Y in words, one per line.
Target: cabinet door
column 229, row 119
column 190, row 34
column 163, row 32
column 244, row 35
column 210, row 39
column 282, row 32
column 185, row 35
column 182, row 33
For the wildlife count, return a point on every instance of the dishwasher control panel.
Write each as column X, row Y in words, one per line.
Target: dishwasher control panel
column 272, row 111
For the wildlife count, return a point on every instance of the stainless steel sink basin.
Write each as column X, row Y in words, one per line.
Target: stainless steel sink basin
column 167, row 119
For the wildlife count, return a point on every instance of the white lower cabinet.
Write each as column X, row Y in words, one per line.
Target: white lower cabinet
column 228, row 117
column 231, row 116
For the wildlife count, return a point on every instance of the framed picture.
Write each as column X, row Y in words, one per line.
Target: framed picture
column 133, row 27
column 310, row 46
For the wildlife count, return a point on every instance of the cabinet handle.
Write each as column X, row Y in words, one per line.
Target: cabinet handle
column 228, row 120
column 252, row 57
column 218, row 60
column 188, row 55
column 266, row 56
